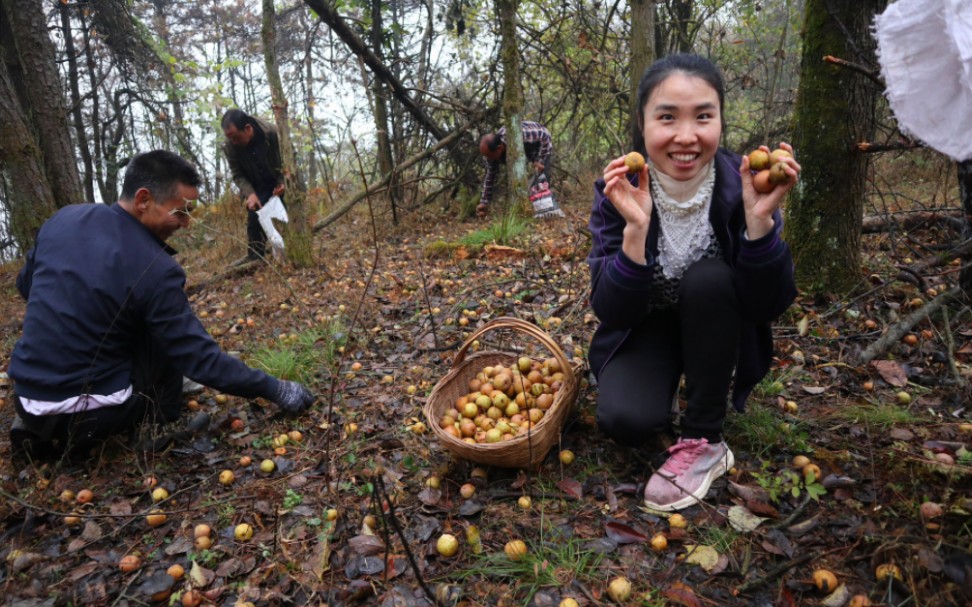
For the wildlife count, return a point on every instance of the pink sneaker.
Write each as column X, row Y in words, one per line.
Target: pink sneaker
column 687, row 475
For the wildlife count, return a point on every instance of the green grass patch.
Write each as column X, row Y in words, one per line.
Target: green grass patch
column 301, row 358
column 880, row 415
column 546, row 564
column 761, row 431
column 504, row 230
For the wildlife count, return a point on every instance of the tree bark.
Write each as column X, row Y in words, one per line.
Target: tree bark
column 44, row 100
column 516, row 170
column 379, row 90
column 30, row 200
column 642, row 49
column 299, row 251
column 965, row 194
column 77, row 117
column 834, row 109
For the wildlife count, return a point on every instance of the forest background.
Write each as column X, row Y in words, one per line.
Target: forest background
column 380, row 107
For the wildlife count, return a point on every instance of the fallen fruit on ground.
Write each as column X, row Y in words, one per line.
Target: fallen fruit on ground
column 155, row 518
column 903, row 398
column 619, row 589
column 243, row 532
column 659, row 543
column 68, row 496
column 84, row 496
column 201, row 530
column 447, row 545
column 824, row 580
column 203, row 542
column 176, row 572
column 931, row 510
column 159, row 494
column 267, row 466
column 246, row 460
column 568, row 602
column 566, row 457
column 813, row 469
column 467, row 490
column 677, row 521
column 226, row 477
column 800, row 461
column 524, row 502
column 885, row 570
column 129, row 563
column 859, row 600
column 192, row 598
column 515, row 549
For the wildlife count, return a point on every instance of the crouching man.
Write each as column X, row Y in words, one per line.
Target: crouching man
column 109, row 333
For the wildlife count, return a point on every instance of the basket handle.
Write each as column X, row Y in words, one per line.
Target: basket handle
column 510, row 322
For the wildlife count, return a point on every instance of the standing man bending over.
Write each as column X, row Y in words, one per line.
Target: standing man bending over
column 537, row 146
column 253, row 152
column 109, row 332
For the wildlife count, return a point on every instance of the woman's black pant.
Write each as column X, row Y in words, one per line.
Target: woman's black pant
column 698, row 339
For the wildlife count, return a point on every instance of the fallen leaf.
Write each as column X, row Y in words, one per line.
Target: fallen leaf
column 814, row 389
column 571, row 487
column 705, row 557
column 624, row 534
column 747, row 493
column 743, row 520
column 837, row 598
column 200, row 576
column 366, row 544
column 680, row 594
column 891, row 372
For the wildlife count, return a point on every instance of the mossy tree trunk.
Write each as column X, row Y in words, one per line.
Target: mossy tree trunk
column 297, row 231
column 516, row 171
column 834, row 110
column 642, row 48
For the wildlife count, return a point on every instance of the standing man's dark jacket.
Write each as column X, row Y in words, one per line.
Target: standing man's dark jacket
column 762, row 270
column 95, row 280
column 257, row 168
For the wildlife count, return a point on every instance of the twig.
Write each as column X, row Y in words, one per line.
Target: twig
column 950, row 343
column 772, row 573
column 896, row 332
column 866, row 147
column 796, row 512
column 856, row 67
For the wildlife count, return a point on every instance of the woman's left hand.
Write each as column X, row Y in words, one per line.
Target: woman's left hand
column 761, row 207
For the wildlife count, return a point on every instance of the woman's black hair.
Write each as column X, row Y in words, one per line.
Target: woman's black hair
column 237, row 118
column 685, row 63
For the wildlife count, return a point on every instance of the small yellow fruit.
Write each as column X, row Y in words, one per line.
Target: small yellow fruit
column 267, row 466
column 659, row 543
column 85, row 496
column 634, row 162
column 155, row 518
column 222, row 399
column 566, row 457
column 800, row 461
column 243, row 532
column 129, row 563
column 677, row 521
column 777, row 156
column 903, row 398
column 203, row 542
column 67, row 496
column 295, row 436
column 813, row 469
column 515, row 549
column 524, row 502
column 619, row 589
column 568, row 602
column 792, row 407
column 447, row 545
column 777, row 174
column 859, row 600
column 72, row 520
column 825, row 581
column 479, row 472
column 226, row 477
column 159, row 494
column 192, row 598
column 467, row 490
column 331, row 514
column 759, row 160
column 201, row 530
column 176, row 572
column 246, row 460
column 886, row 570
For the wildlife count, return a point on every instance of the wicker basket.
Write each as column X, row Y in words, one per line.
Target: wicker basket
column 522, row 451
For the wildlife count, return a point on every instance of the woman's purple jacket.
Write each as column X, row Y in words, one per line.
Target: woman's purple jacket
column 762, row 270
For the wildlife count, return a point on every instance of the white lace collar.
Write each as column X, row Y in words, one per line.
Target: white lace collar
column 685, row 231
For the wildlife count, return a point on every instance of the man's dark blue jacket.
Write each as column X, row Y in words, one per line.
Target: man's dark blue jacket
column 96, row 283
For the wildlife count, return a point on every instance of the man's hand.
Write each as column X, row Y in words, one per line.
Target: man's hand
column 293, row 397
column 277, row 191
column 538, row 166
column 253, row 203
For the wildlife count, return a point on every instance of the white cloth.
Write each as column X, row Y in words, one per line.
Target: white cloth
column 75, row 404
column 685, row 231
column 925, row 53
column 274, row 209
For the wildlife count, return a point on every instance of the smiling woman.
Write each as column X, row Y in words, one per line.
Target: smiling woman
column 687, row 271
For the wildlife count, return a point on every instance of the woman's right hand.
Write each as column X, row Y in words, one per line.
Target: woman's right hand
column 633, row 204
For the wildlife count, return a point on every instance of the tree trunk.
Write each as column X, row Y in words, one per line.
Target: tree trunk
column 299, row 250
column 516, row 171
column 43, row 101
column 30, row 200
column 834, row 109
column 77, row 117
column 385, row 159
column 642, row 48
column 965, row 194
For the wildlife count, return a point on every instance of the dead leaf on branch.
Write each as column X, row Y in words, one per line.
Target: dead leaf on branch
column 891, row 372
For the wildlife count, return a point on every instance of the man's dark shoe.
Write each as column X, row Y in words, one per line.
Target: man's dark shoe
column 23, row 441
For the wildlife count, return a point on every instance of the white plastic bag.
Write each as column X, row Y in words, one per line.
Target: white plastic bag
column 274, row 209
